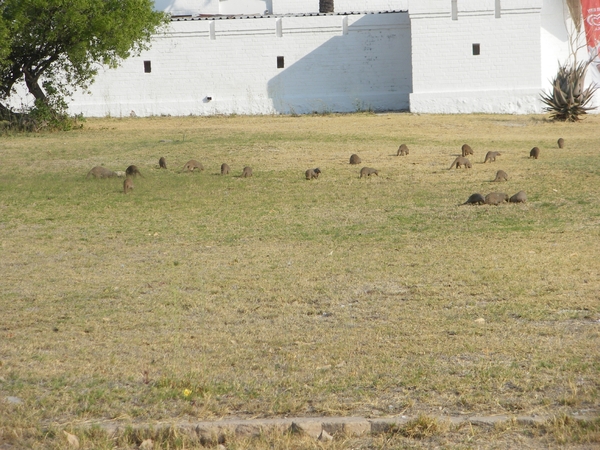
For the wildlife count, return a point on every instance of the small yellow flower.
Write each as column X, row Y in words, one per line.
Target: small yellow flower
column 187, row 392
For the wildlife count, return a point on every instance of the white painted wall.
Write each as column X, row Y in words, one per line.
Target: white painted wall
column 245, row 6
column 555, row 30
column 560, row 40
column 448, row 78
column 332, row 63
column 187, row 7
column 295, row 6
column 370, row 5
column 343, row 63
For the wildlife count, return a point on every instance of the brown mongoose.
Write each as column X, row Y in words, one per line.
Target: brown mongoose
column 460, row 161
column 475, row 199
column 192, row 165
column 247, row 172
column 127, row 185
column 519, row 197
column 495, row 198
column 132, row 171
column 225, row 169
column 368, row 171
column 491, row 156
column 501, row 176
column 101, row 172
column 162, row 162
column 561, row 143
column 355, row 159
column 402, row 150
column 312, row 173
column 466, row 150
column 534, row 153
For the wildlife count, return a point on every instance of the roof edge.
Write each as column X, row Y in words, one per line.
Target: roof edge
column 179, row 18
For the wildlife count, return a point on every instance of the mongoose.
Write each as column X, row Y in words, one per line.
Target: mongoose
column 491, row 156
column 368, row 171
column 475, row 199
column 192, row 165
column 127, row 185
column 162, row 162
column 561, row 143
column 312, row 173
column 402, row 150
column 460, row 161
column 247, row 172
column 132, row 171
column 355, row 159
column 101, row 172
column 519, row 197
column 534, row 153
column 501, row 176
column 225, row 169
column 466, row 150
column 495, row 198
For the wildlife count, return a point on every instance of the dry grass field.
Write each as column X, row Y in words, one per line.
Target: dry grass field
column 199, row 296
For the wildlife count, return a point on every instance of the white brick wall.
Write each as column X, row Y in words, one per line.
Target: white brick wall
column 370, row 5
column 295, row 6
column 344, row 63
column 447, row 77
column 556, row 29
column 244, row 6
column 181, row 7
column 325, row 70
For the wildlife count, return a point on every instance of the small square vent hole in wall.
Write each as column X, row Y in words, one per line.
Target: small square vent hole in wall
column 476, row 49
column 147, row 66
column 280, row 63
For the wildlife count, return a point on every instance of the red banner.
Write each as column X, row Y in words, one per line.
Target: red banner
column 590, row 10
column 591, row 19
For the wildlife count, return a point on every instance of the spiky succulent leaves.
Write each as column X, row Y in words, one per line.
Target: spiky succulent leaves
column 569, row 99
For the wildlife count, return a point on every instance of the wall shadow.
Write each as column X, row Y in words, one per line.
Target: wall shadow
column 367, row 68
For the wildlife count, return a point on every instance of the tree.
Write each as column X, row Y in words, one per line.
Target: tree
column 57, row 46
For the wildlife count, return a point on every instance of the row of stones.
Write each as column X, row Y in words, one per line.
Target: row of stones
column 318, row 428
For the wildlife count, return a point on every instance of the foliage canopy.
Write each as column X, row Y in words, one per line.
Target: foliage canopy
column 56, row 46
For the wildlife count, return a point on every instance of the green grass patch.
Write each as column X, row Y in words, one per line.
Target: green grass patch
column 199, row 296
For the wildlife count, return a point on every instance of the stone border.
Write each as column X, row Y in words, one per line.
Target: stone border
column 322, row 428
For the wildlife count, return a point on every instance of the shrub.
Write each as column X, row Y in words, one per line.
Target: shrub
column 569, row 99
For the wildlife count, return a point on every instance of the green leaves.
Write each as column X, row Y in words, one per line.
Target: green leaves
column 55, row 46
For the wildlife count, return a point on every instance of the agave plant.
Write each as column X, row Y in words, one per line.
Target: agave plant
column 569, row 99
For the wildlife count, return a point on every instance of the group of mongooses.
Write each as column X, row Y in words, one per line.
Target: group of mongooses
column 462, row 161
column 311, row 174
column 368, row 171
column 132, row 171
column 493, row 198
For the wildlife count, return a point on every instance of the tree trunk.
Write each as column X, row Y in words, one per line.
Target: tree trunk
column 33, row 86
column 325, row 6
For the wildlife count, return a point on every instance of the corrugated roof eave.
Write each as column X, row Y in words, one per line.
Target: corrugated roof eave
column 266, row 16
